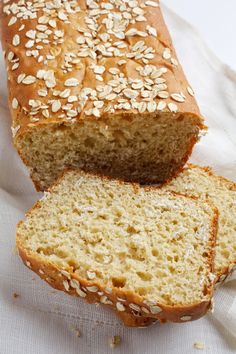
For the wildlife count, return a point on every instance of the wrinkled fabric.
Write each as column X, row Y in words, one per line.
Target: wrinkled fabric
column 41, row 320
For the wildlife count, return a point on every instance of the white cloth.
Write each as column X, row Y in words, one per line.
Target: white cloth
column 42, row 320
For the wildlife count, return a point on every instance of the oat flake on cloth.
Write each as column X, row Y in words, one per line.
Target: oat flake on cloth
column 43, row 321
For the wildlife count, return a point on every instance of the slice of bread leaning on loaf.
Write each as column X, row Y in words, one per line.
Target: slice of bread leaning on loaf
column 137, row 249
column 201, row 182
column 93, row 82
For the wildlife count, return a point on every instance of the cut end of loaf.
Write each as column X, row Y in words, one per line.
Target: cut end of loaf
column 137, row 148
column 120, row 236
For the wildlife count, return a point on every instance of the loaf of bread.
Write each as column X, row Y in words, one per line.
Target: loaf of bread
column 97, row 85
column 137, row 249
column 202, row 182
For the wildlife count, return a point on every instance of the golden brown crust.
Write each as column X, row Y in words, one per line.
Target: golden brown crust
column 130, row 320
column 29, row 65
column 53, row 276
column 117, row 298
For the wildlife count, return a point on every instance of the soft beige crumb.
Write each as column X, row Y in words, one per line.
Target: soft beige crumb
column 199, row 345
column 115, row 341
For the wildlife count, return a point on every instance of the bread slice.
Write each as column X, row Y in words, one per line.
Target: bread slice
column 91, row 83
column 137, row 249
column 202, row 182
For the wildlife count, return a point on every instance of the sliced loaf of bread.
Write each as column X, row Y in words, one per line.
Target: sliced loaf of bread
column 202, row 182
column 136, row 249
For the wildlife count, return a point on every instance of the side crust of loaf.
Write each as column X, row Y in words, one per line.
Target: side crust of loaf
column 133, row 309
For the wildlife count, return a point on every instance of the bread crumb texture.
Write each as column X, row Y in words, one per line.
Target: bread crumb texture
column 157, row 246
column 201, row 182
column 91, row 82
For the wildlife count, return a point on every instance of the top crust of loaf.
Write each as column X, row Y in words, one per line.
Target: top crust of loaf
column 60, row 70
column 61, row 277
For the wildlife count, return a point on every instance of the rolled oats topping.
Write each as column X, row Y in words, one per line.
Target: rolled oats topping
column 16, row 40
column 14, row 103
column 190, row 91
column 28, row 80
column 15, row 130
column 92, row 289
column 186, row 318
column 104, row 300
column 80, row 292
column 71, row 82
column 155, row 309
column 173, row 107
column 136, row 78
column 66, row 285
column 120, row 307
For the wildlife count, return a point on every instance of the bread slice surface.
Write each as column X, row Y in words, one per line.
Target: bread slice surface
column 135, row 249
column 204, row 183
